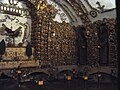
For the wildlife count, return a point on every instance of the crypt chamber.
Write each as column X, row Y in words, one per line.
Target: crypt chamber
column 51, row 36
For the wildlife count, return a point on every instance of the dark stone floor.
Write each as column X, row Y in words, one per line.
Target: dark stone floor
column 75, row 84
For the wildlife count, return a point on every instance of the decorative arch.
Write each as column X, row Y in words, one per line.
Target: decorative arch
column 105, row 77
column 75, row 10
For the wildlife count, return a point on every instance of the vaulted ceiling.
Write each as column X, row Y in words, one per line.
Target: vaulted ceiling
column 85, row 11
column 82, row 11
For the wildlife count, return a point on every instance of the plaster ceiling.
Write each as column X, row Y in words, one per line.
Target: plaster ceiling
column 80, row 11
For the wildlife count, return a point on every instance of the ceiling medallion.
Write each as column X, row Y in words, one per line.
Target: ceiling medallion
column 93, row 13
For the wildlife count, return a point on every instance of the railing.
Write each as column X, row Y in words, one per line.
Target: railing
column 15, row 64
